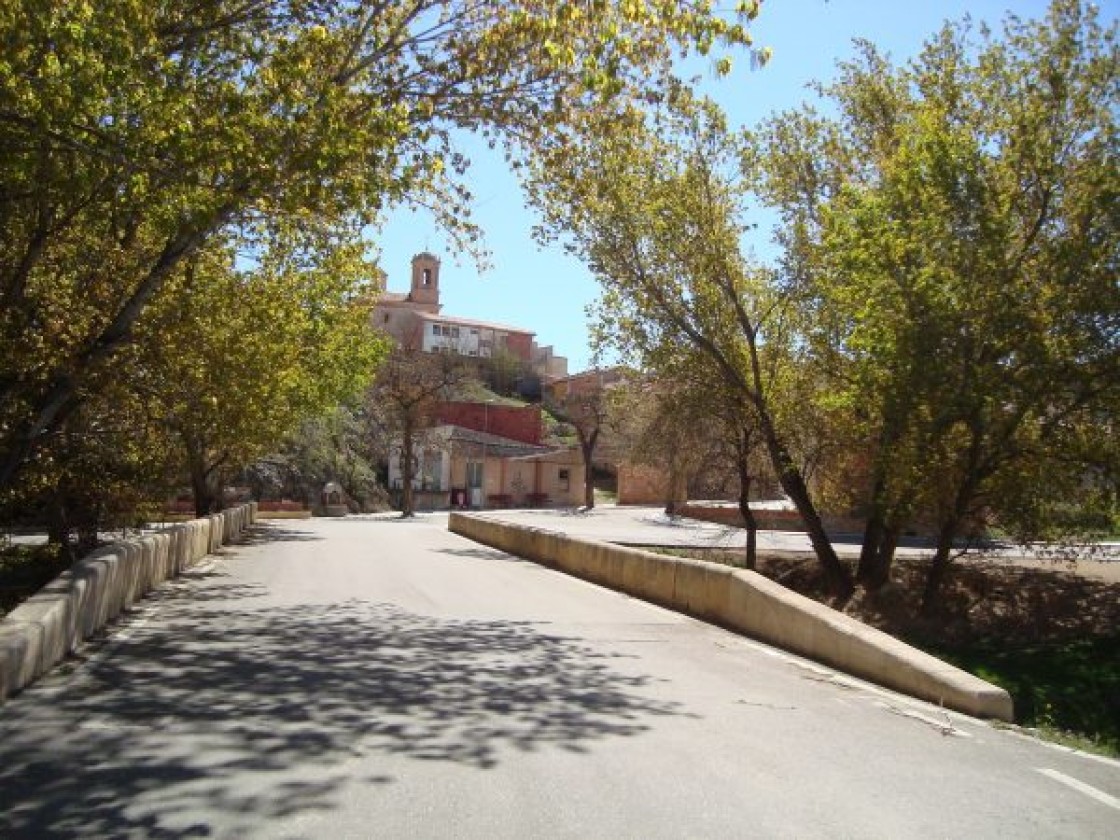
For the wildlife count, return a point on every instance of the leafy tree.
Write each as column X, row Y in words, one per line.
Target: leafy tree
column 340, row 446
column 502, row 371
column 108, row 468
column 952, row 237
column 656, row 208
column 236, row 360
column 134, row 132
column 661, row 431
column 587, row 409
column 216, row 374
column 688, row 422
column 409, row 387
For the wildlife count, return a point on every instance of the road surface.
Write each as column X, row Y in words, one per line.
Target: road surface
column 367, row 677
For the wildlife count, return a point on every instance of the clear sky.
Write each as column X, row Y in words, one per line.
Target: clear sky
column 548, row 292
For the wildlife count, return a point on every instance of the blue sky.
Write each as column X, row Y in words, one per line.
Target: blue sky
column 548, row 292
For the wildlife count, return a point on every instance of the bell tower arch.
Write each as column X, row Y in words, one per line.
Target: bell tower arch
column 425, row 280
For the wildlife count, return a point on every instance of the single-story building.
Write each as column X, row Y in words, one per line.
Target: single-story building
column 456, row 467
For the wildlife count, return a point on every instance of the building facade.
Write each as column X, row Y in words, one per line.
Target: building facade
column 415, row 319
column 456, row 467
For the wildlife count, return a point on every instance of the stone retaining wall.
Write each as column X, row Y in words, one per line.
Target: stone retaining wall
column 751, row 604
column 766, row 520
column 44, row 629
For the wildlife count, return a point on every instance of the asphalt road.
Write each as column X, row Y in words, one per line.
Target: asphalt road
column 379, row 678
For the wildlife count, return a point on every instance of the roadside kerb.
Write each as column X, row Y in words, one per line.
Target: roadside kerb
column 48, row 626
column 751, row 604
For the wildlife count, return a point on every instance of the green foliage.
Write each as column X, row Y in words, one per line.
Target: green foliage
column 234, row 361
column 402, row 403
column 951, row 237
column 223, row 364
column 942, row 330
column 24, row 569
column 1062, row 688
column 475, row 390
column 503, row 370
column 557, row 432
column 341, row 446
column 655, row 204
column 136, row 134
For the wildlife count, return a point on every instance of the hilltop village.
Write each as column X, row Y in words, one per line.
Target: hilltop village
column 515, row 433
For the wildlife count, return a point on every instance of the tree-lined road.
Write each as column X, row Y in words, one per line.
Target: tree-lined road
column 384, row 678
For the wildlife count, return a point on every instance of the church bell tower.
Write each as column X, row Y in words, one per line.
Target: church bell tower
column 425, row 280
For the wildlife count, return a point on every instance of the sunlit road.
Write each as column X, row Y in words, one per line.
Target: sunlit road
column 378, row 678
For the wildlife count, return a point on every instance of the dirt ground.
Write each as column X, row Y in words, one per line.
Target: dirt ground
column 1018, row 601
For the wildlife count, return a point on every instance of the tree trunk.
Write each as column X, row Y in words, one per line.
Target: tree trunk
column 587, row 448
column 939, row 568
column 676, row 490
column 876, row 556
column 752, row 533
column 749, row 522
column 954, row 517
column 789, row 477
column 408, row 504
column 587, row 442
column 87, row 532
column 58, row 525
column 885, row 560
column 838, row 577
column 205, row 496
column 61, row 397
column 873, row 530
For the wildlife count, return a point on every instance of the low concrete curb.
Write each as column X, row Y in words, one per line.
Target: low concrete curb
column 751, row 604
column 43, row 630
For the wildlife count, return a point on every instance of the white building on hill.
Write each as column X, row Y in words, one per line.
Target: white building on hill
column 415, row 319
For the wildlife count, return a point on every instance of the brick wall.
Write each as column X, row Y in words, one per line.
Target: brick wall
column 520, row 423
column 521, row 345
column 643, row 485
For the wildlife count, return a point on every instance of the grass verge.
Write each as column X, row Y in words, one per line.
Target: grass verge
column 1068, row 690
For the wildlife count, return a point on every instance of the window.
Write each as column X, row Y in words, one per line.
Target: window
column 446, row 330
column 474, row 474
column 435, row 329
column 563, row 478
column 454, row 332
column 386, row 317
column 432, row 470
column 427, row 277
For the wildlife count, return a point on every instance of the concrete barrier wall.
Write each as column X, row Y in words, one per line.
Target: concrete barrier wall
column 767, row 520
column 753, row 605
column 43, row 630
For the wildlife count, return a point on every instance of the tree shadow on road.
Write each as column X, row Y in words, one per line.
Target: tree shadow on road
column 488, row 554
column 261, row 533
column 168, row 728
